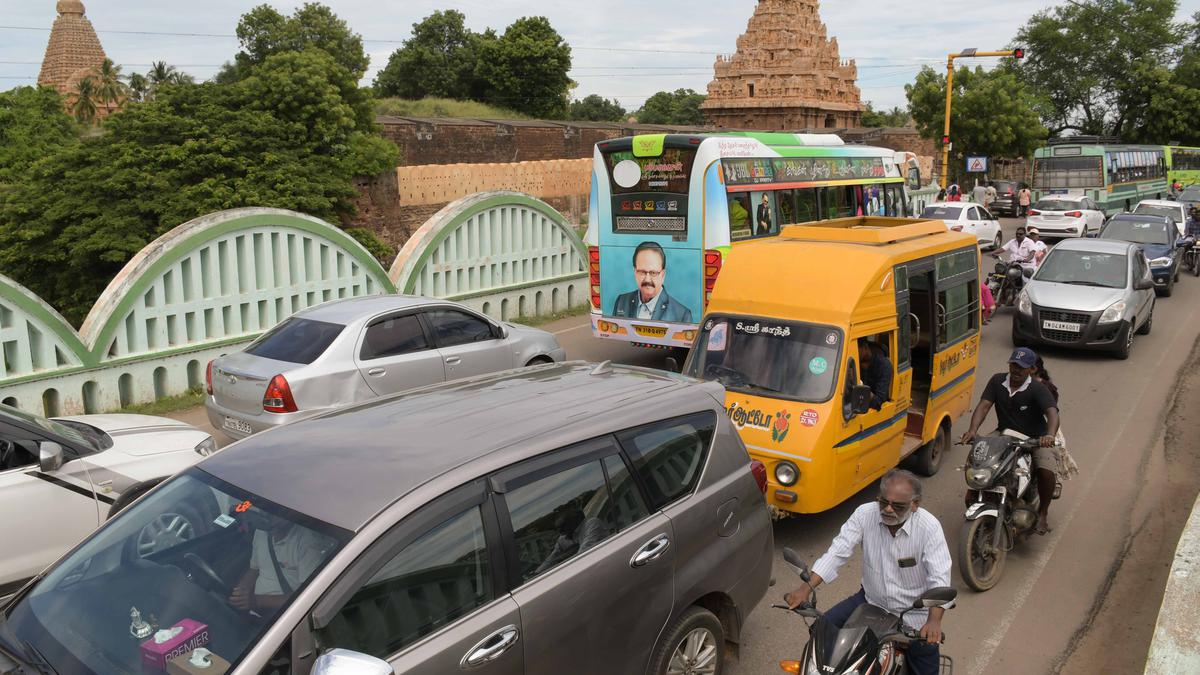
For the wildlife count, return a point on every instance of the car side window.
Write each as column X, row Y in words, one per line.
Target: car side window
column 669, row 456
column 987, row 215
column 393, row 336
column 452, row 327
column 438, row 578
column 16, row 454
column 562, row 515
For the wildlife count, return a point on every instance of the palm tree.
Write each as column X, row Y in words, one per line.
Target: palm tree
column 110, row 90
column 160, row 73
column 139, row 87
column 82, row 100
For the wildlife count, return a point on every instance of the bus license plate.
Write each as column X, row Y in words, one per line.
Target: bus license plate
column 1062, row 325
column 237, row 425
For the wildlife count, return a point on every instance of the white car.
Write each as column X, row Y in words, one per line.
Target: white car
column 1062, row 216
column 1176, row 211
column 61, row 478
column 967, row 217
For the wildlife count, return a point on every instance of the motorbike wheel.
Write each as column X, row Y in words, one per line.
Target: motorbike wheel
column 979, row 563
column 1196, row 264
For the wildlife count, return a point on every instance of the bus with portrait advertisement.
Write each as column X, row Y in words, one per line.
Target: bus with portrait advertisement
column 1115, row 176
column 1183, row 165
column 666, row 209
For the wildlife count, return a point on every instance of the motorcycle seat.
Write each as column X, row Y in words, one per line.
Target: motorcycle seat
column 880, row 621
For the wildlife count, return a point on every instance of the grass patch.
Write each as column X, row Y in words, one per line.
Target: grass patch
column 443, row 107
column 193, row 398
column 551, row 318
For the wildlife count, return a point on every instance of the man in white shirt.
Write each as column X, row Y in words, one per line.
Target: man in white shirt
column 1021, row 249
column 294, row 550
column 904, row 555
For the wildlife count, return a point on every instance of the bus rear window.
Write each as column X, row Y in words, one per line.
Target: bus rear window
column 1067, row 172
column 669, row 172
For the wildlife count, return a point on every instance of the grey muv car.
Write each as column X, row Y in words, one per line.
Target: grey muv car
column 565, row 518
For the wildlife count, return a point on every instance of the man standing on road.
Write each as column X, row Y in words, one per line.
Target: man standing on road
column 979, row 193
column 1024, row 197
column 989, row 196
column 1026, row 406
column 904, row 555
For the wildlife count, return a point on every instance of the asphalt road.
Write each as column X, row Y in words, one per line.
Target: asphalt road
column 1113, row 413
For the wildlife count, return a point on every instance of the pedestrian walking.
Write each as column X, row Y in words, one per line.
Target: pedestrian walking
column 1023, row 199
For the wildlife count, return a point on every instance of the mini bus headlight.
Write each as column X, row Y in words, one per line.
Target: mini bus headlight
column 1024, row 304
column 786, row 473
column 1160, row 262
column 1113, row 312
column 979, row 478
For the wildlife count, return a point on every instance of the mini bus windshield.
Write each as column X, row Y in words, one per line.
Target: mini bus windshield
column 784, row 359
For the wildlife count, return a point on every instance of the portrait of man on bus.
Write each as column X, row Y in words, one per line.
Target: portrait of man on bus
column 650, row 299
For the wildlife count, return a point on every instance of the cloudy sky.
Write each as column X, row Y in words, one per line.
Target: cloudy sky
column 623, row 49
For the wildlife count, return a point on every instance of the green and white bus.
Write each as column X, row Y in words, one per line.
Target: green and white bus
column 666, row 209
column 1183, row 165
column 1115, row 176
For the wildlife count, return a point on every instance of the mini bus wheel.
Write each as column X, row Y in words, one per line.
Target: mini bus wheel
column 928, row 459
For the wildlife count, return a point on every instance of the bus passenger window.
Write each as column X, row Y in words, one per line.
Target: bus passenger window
column 893, row 201
column 838, row 201
column 786, row 199
column 872, row 200
column 958, row 312
column 806, row 206
column 739, row 216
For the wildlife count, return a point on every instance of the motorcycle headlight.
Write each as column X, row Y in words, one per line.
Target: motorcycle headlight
column 1113, row 312
column 979, row 478
column 1024, row 304
column 1160, row 262
column 206, row 447
column 786, row 473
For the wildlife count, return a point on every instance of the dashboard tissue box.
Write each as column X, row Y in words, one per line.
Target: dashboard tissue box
column 174, row 643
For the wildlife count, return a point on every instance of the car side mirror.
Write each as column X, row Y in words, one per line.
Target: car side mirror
column 1027, row 272
column 797, row 564
column 501, row 331
column 1143, row 284
column 860, row 399
column 50, row 456
column 346, row 662
column 936, row 597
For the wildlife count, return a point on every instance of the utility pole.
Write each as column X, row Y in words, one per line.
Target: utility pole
column 1018, row 53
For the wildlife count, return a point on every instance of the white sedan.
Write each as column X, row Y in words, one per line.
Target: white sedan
column 967, row 217
column 1062, row 216
column 61, row 478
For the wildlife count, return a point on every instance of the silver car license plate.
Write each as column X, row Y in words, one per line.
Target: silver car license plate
column 237, row 425
column 1062, row 325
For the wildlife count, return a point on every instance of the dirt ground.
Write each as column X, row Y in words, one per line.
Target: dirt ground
column 1117, row 638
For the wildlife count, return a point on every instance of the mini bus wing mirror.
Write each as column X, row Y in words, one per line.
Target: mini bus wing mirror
column 860, row 399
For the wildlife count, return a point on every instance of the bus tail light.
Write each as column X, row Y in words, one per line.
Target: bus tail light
column 208, row 378
column 712, row 267
column 1074, row 214
column 1034, row 212
column 594, row 275
column 278, row 397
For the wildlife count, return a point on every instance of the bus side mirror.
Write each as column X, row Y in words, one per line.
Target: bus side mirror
column 914, row 178
column 860, row 399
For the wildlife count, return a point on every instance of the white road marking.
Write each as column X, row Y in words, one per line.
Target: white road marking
column 568, row 330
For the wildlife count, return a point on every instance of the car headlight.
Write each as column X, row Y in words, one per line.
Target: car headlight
column 1024, row 304
column 1160, row 262
column 979, row 478
column 786, row 473
column 206, row 447
column 1113, row 312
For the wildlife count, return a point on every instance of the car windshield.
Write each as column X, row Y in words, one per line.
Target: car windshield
column 1139, row 232
column 941, row 212
column 1190, row 194
column 53, row 427
column 785, row 359
column 1172, row 212
column 1084, row 268
column 1055, row 205
column 296, row 340
column 157, row 582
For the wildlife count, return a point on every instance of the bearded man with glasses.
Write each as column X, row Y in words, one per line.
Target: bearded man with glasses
column 904, row 555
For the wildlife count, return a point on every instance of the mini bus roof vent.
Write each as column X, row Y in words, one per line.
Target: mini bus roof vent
column 602, row 368
column 820, row 139
column 1083, row 140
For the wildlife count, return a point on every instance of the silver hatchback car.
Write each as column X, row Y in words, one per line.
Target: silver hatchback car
column 1087, row 294
column 565, row 518
column 355, row 349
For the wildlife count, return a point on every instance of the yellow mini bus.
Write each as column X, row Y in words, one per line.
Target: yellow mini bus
column 783, row 331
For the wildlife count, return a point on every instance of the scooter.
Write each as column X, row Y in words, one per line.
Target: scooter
column 1002, row 506
column 873, row 642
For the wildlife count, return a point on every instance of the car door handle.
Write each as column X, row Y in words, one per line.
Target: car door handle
column 376, row 372
column 491, row 647
column 453, row 360
column 650, row 551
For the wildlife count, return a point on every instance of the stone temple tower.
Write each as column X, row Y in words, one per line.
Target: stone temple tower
column 786, row 74
column 74, row 48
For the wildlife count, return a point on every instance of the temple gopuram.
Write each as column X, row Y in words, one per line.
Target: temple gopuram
column 786, row 74
column 73, row 51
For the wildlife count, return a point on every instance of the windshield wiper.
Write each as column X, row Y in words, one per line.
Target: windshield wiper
column 760, row 387
column 1086, row 283
column 36, row 659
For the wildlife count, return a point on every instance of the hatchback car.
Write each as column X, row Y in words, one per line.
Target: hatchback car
column 1159, row 240
column 1087, row 294
column 1176, row 211
column 354, row 349
column 967, row 217
column 539, row 521
column 61, row 477
column 1064, row 216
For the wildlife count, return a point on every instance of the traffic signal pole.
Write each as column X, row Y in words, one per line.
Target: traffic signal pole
column 1018, row 53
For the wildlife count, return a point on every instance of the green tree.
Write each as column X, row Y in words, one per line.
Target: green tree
column 264, row 32
column 33, row 125
column 526, row 68
column 111, row 92
column 681, row 106
column 82, row 100
column 596, row 108
column 1081, row 57
column 139, row 87
column 438, row 60
column 896, row 117
column 990, row 114
column 286, row 136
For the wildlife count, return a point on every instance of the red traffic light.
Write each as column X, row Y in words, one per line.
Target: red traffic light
column 1019, row 53
column 945, row 140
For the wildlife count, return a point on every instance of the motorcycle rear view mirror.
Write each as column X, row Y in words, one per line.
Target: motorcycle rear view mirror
column 797, row 564
column 936, row 597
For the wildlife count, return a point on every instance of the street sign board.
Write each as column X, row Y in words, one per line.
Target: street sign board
column 977, row 164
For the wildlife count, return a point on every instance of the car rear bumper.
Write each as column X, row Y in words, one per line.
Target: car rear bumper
column 1162, row 275
column 223, row 419
column 1058, row 229
column 1092, row 334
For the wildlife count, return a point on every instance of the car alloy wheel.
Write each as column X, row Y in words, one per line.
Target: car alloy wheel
column 696, row 654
